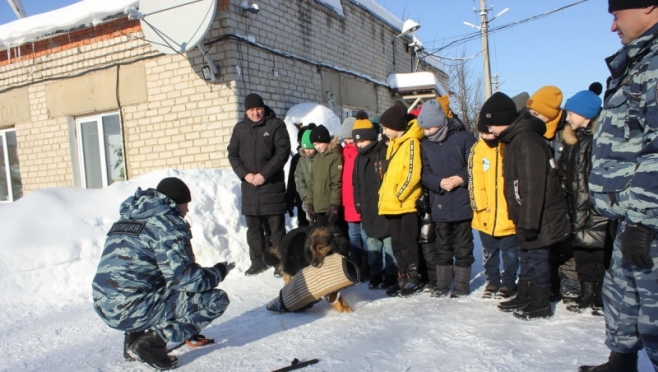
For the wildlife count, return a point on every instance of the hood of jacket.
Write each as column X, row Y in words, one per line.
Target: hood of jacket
column 524, row 123
column 413, row 131
column 147, row 204
column 571, row 137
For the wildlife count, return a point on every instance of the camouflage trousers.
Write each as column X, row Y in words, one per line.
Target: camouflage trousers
column 630, row 299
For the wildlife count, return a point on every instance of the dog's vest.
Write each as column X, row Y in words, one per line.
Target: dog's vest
column 313, row 283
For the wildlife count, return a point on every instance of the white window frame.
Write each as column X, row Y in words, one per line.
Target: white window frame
column 101, row 139
column 7, row 175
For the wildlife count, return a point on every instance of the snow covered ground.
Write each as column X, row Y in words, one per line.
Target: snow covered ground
column 52, row 240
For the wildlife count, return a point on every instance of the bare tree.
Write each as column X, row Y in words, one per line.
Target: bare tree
column 466, row 91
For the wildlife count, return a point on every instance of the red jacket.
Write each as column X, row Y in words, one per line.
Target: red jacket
column 349, row 158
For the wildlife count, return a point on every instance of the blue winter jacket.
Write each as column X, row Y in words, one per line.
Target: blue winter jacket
column 443, row 160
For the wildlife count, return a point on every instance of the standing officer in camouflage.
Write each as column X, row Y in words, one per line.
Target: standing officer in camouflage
column 147, row 283
column 624, row 186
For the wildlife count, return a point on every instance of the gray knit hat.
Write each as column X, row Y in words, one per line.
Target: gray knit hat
column 346, row 128
column 432, row 115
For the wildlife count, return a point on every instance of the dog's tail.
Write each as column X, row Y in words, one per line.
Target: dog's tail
column 271, row 256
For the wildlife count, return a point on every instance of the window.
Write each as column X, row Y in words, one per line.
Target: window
column 11, row 187
column 100, row 145
column 350, row 111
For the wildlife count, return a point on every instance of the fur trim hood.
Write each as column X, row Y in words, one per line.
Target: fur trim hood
column 570, row 136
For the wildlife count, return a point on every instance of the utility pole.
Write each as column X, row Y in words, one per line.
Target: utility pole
column 484, row 32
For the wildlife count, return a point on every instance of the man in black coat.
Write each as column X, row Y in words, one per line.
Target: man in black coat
column 535, row 202
column 258, row 150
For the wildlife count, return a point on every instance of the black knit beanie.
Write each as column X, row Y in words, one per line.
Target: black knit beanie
column 175, row 189
column 499, row 109
column 320, row 134
column 253, row 100
column 395, row 118
column 614, row 5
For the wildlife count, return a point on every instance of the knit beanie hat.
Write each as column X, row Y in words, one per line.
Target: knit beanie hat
column 346, row 128
column 499, row 109
column 614, row 5
column 320, row 134
column 304, row 129
column 395, row 118
column 253, row 100
column 547, row 101
column 445, row 104
column 175, row 189
column 432, row 115
column 584, row 103
column 416, row 111
column 363, row 129
column 306, row 140
column 521, row 100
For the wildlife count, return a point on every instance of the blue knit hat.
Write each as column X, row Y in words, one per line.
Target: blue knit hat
column 584, row 103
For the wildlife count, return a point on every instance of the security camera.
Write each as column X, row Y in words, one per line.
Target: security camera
column 251, row 8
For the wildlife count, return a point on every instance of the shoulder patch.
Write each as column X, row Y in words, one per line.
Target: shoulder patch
column 128, row 228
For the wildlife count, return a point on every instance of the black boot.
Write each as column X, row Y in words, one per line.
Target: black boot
column 587, row 293
column 462, row 282
column 413, row 283
column 443, row 281
column 597, row 304
column 520, row 299
column 394, row 290
column 617, row 362
column 539, row 306
column 152, row 350
column 129, row 339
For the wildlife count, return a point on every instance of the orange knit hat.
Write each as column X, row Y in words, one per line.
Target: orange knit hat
column 547, row 101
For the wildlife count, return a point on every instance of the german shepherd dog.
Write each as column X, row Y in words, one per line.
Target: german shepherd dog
column 304, row 246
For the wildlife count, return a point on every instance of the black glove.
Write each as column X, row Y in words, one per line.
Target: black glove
column 636, row 245
column 332, row 214
column 527, row 235
column 225, row 267
column 310, row 212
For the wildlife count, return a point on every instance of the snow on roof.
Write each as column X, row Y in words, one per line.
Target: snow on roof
column 334, row 5
column 412, row 81
column 83, row 13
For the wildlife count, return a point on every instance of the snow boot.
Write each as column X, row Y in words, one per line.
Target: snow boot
column 389, row 281
column 539, row 305
column 490, row 292
column 617, row 362
column 462, row 282
column 152, row 350
column 129, row 339
column 443, row 281
column 505, row 293
column 394, row 290
column 375, row 281
column 413, row 283
column 587, row 293
column 597, row 303
column 520, row 300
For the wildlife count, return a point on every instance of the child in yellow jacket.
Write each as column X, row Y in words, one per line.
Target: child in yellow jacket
column 400, row 189
column 497, row 233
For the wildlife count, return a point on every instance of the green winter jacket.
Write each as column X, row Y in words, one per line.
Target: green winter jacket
column 325, row 184
column 303, row 176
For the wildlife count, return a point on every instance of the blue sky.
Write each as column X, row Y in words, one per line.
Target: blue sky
column 566, row 49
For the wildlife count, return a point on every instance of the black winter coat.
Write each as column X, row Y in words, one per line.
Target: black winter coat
column 446, row 159
column 532, row 187
column 367, row 178
column 589, row 228
column 261, row 148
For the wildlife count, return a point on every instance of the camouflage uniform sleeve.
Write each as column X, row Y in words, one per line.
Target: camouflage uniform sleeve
column 175, row 260
column 643, row 198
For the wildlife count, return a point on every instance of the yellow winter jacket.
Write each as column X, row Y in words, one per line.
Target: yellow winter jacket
column 401, row 186
column 485, row 185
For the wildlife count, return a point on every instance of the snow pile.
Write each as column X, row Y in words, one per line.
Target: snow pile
column 53, row 248
column 307, row 113
column 82, row 13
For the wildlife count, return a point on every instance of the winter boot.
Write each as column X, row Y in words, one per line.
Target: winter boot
column 255, row 269
column 587, row 293
column 389, row 281
column 505, row 293
column 490, row 291
column 430, row 286
column 539, row 306
column 462, row 282
column 617, row 362
column 443, row 281
column 129, row 339
column 413, row 283
column 394, row 289
column 520, row 300
column 152, row 350
column 597, row 303
column 375, row 281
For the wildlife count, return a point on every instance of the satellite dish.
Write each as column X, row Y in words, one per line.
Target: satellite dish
column 176, row 26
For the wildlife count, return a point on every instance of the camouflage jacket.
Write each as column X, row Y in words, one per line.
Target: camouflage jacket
column 147, row 254
column 624, row 178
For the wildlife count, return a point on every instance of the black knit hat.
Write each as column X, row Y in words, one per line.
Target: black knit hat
column 303, row 129
column 175, row 189
column 499, row 109
column 614, row 5
column 395, row 118
column 253, row 100
column 320, row 134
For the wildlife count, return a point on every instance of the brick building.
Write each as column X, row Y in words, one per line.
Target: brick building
column 92, row 105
